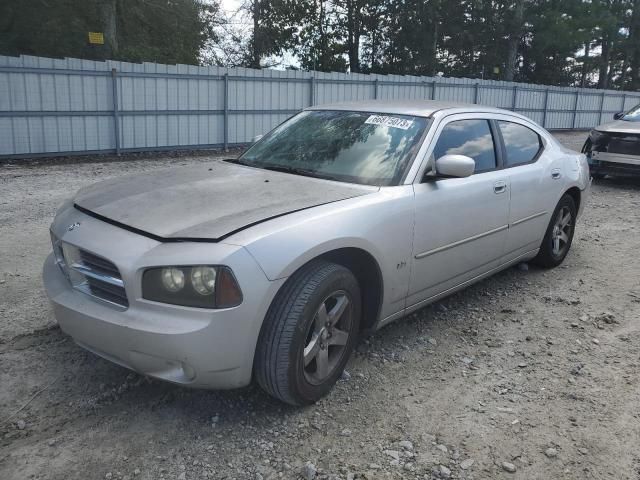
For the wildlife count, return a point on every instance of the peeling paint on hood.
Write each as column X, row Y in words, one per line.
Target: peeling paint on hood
column 210, row 201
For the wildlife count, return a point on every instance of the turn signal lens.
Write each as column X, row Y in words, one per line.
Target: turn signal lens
column 228, row 292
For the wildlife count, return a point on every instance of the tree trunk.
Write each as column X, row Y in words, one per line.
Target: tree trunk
column 256, row 54
column 634, row 40
column 429, row 37
column 109, row 18
column 514, row 41
column 433, row 51
column 603, row 71
column 585, row 66
column 353, row 34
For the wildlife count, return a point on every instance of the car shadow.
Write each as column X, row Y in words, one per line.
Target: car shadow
column 631, row 183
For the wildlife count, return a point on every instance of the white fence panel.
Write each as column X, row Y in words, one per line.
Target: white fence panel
column 71, row 106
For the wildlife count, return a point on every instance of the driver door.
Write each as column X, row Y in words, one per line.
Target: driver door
column 461, row 224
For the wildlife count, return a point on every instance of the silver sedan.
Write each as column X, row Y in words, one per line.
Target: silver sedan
column 342, row 219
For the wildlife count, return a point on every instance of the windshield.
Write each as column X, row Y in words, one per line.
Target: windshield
column 632, row 115
column 358, row 147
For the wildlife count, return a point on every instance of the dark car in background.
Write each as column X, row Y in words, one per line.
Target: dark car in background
column 614, row 148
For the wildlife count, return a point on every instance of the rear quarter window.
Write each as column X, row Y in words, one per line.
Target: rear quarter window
column 522, row 145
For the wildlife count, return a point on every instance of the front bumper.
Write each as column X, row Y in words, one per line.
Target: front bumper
column 606, row 163
column 189, row 346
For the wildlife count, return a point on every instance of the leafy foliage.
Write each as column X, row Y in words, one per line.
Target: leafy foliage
column 560, row 42
column 166, row 31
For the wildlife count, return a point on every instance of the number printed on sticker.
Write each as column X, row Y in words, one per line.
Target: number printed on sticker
column 393, row 122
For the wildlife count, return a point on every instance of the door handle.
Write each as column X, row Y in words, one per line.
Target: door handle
column 555, row 173
column 500, row 187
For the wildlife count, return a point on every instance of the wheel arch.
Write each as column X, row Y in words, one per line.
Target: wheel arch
column 367, row 271
column 574, row 192
column 364, row 267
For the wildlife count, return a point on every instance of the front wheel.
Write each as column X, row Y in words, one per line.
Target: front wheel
column 559, row 235
column 309, row 333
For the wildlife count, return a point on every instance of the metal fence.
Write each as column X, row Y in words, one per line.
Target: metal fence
column 70, row 106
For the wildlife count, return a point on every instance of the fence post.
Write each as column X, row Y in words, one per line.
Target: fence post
column 476, row 93
column 575, row 110
column 226, row 112
column 624, row 101
column 514, row 100
column 601, row 106
column 433, row 90
column 375, row 89
column 546, row 107
column 312, row 90
column 116, row 113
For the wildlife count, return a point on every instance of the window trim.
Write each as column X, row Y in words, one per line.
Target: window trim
column 541, row 145
column 419, row 171
column 497, row 145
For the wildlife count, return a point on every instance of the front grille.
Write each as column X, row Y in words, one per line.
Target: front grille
column 624, row 144
column 91, row 274
column 617, row 142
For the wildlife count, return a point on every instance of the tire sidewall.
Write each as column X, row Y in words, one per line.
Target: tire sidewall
column 341, row 279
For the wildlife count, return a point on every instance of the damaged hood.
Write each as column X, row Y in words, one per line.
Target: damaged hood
column 620, row 126
column 208, row 201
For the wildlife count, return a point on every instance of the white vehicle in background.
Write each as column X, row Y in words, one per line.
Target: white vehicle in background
column 614, row 148
column 342, row 219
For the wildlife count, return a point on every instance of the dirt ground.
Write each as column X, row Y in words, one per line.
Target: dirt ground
column 533, row 371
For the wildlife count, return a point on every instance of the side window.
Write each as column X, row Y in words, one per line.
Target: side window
column 521, row 143
column 472, row 138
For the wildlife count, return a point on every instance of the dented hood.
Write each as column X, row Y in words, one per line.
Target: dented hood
column 620, row 126
column 207, row 201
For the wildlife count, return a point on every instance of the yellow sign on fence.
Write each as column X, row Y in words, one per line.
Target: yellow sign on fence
column 96, row 38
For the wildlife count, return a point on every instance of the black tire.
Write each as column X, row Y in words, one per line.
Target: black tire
column 549, row 255
column 292, row 324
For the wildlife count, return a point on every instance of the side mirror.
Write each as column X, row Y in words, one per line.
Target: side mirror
column 618, row 116
column 455, row 166
column 256, row 138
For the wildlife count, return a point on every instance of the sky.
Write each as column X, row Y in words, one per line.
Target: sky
column 243, row 21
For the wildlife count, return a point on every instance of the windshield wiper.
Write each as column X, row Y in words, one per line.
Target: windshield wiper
column 237, row 161
column 298, row 171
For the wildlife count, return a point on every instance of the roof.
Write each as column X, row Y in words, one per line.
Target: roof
column 419, row 108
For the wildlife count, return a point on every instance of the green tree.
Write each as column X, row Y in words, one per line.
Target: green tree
column 167, row 31
column 275, row 23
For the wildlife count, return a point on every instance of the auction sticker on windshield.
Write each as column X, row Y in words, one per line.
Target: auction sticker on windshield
column 393, row 122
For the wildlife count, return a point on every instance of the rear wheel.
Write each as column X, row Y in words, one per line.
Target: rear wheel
column 309, row 333
column 559, row 235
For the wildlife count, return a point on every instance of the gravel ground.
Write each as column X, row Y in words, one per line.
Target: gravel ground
column 530, row 374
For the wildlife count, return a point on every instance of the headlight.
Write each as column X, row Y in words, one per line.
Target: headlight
column 599, row 139
column 203, row 280
column 202, row 286
column 172, row 279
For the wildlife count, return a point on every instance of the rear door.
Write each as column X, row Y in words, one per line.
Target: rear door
column 460, row 223
column 536, row 183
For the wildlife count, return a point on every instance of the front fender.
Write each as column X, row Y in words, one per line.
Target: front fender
column 380, row 224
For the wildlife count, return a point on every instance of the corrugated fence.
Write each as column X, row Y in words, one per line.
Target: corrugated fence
column 71, row 106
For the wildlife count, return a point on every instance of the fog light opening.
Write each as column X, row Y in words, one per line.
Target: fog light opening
column 188, row 371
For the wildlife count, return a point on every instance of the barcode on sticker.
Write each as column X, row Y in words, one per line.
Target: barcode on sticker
column 393, row 122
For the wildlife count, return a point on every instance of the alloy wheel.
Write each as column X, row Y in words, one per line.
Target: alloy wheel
column 327, row 337
column 561, row 231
